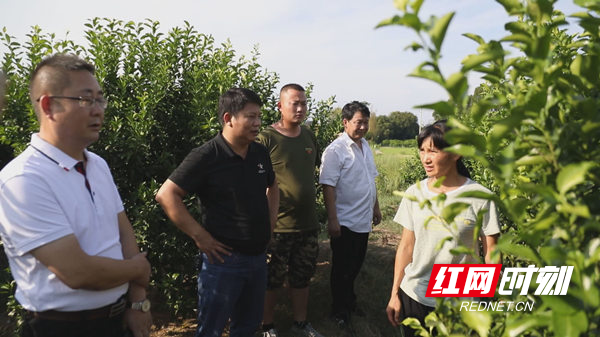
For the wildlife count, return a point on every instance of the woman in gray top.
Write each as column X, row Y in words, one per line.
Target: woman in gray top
column 427, row 238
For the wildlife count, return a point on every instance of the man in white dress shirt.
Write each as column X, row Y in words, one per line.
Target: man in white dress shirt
column 348, row 177
column 71, row 249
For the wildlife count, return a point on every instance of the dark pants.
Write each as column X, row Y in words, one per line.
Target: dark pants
column 106, row 327
column 347, row 255
column 233, row 289
column 412, row 308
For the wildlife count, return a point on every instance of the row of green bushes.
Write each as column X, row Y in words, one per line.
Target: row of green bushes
column 532, row 132
column 163, row 90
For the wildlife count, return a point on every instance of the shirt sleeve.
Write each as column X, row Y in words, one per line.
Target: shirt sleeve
column 404, row 215
column 490, row 225
column 331, row 167
column 118, row 202
column 190, row 174
column 31, row 214
column 263, row 138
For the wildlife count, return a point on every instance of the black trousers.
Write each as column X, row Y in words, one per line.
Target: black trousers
column 412, row 308
column 107, row 327
column 347, row 255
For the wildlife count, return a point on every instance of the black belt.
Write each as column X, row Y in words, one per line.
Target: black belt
column 109, row 311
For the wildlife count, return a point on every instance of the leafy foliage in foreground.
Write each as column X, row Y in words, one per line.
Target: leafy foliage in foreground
column 532, row 130
column 163, row 90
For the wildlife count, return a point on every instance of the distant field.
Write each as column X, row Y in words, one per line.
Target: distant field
column 396, row 166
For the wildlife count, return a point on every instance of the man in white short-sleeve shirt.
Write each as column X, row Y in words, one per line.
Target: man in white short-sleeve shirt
column 71, row 249
column 348, row 177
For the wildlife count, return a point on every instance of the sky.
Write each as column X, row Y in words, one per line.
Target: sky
column 330, row 43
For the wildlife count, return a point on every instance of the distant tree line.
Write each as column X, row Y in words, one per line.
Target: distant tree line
column 395, row 126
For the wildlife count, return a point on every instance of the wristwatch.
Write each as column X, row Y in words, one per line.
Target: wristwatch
column 143, row 306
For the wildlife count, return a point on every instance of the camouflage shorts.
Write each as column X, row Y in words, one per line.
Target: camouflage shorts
column 294, row 255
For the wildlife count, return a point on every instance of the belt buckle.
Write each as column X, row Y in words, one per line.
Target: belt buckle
column 117, row 308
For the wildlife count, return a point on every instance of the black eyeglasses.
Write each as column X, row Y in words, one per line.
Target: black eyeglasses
column 85, row 102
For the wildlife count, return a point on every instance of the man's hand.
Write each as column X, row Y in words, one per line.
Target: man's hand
column 211, row 247
column 334, row 228
column 138, row 322
column 143, row 279
column 393, row 310
column 376, row 216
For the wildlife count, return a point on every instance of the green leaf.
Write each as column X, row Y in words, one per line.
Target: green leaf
column 462, row 250
column 416, row 6
column 395, row 20
column 518, row 27
column 526, row 39
column 432, row 320
column 545, row 222
column 401, row 4
column 462, row 134
column 518, row 324
column 531, row 160
column 479, row 321
column 432, row 75
column 564, row 305
column 444, row 108
column 579, row 210
column 416, row 325
column 440, row 243
column 479, row 195
column 474, row 37
column 451, row 211
column 512, row 6
column 594, row 250
column 506, row 246
column 456, row 85
column 569, row 325
column 438, row 31
column 572, row 175
column 475, row 60
column 414, row 46
column 412, row 21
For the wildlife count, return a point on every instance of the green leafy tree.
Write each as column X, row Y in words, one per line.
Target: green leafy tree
column 397, row 125
column 405, row 125
column 163, row 90
column 532, row 132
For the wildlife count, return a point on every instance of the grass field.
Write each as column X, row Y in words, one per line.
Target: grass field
column 390, row 162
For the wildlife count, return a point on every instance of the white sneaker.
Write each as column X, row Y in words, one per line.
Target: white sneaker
column 306, row 331
column 270, row 333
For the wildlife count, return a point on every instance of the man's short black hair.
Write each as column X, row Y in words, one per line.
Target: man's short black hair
column 293, row 86
column 353, row 107
column 235, row 99
column 60, row 65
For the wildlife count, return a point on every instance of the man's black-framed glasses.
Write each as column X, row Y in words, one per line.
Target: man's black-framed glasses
column 85, row 102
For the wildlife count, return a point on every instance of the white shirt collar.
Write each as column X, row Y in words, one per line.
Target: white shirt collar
column 53, row 153
column 349, row 141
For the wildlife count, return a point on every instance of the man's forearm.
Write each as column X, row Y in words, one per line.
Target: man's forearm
column 329, row 199
column 130, row 248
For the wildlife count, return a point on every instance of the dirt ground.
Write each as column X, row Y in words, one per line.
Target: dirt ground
column 372, row 288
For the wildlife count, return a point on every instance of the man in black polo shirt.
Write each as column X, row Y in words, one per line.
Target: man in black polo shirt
column 238, row 191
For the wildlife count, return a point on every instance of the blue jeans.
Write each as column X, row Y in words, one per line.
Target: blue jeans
column 233, row 289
